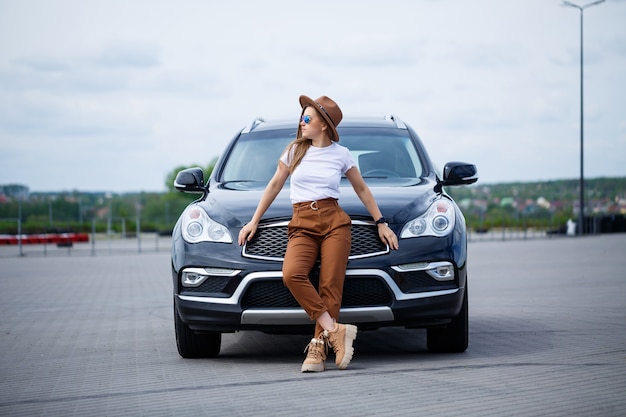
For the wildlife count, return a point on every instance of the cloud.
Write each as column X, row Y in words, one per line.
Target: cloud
column 58, row 76
column 136, row 88
column 40, row 117
column 123, row 55
column 373, row 51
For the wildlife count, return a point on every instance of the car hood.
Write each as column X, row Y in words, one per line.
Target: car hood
column 234, row 208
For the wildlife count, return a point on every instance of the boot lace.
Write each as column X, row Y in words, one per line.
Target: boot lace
column 330, row 338
column 314, row 350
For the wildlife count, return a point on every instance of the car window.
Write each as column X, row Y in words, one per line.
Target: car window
column 386, row 155
column 383, row 156
column 254, row 157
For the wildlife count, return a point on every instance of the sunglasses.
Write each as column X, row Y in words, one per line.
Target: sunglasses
column 306, row 119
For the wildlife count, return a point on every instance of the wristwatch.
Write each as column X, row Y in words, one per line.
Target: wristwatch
column 382, row 220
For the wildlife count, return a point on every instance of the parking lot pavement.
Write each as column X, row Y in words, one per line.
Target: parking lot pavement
column 93, row 336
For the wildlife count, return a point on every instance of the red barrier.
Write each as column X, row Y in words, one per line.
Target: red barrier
column 54, row 238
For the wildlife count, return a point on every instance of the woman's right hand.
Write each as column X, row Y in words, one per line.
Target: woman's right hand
column 247, row 233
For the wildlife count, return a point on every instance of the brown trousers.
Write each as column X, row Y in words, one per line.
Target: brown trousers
column 317, row 230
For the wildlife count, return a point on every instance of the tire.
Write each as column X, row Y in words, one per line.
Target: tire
column 194, row 345
column 454, row 337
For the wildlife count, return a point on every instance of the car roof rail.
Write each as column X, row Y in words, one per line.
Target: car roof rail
column 399, row 123
column 257, row 121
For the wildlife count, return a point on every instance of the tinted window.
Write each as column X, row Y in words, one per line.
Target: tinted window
column 255, row 155
column 386, row 155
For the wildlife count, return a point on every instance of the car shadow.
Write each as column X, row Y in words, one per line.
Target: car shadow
column 490, row 337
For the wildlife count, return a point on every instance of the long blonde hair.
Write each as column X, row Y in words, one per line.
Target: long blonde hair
column 298, row 147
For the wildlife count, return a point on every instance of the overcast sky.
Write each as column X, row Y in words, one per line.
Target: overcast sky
column 112, row 95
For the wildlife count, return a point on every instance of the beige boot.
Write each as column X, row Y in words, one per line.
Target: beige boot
column 316, row 356
column 341, row 338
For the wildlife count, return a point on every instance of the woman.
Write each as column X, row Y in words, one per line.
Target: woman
column 319, row 228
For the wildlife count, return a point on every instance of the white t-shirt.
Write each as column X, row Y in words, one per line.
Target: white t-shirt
column 319, row 173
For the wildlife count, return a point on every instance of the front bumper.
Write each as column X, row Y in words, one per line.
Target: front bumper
column 399, row 288
column 401, row 308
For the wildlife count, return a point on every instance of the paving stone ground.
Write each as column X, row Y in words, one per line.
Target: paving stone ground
column 84, row 335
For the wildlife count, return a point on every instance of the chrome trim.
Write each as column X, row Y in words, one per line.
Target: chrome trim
column 276, row 224
column 368, row 255
column 297, row 316
column 185, row 283
column 264, row 258
column 206, row 273
column 233, row 299
column 429, row 267
column 397, row 293
column 285, row 223
column 213, row 271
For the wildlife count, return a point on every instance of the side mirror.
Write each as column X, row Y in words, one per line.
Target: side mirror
column 459, row 173
column 190, row 180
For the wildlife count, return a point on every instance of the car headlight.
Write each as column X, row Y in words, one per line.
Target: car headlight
column 438, row 220
column 197, row 226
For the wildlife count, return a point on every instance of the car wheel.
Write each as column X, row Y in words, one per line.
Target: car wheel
column 193, row 345
column 454, row 337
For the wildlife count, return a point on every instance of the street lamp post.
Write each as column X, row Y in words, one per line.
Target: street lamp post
column 581, row 210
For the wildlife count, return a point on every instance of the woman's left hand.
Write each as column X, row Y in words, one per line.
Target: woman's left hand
column 387, row 236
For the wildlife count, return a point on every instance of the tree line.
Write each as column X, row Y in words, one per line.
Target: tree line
column 81, row 212
column 547, row 204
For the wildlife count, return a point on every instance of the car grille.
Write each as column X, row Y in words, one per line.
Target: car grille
column 270, row 242
column 358, row 292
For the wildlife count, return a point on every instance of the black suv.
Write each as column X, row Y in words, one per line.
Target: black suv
column 220, row 286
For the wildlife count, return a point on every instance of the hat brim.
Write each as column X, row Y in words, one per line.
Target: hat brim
column 308, row 101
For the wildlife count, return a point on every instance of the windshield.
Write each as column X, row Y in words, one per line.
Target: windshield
column 382, row 156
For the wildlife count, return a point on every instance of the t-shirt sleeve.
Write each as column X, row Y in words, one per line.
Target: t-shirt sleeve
column 348, row 161
column 287, row 156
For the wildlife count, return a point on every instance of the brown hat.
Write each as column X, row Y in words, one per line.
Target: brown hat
column 329, row 110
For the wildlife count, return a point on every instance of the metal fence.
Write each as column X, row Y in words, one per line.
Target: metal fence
column 113, row 237
column 511, row 233
column 124, row 242
column 98, row 244
column 594, row 225
column 96, row 238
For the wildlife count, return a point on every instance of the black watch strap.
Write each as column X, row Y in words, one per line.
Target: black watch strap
column 381, row 221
